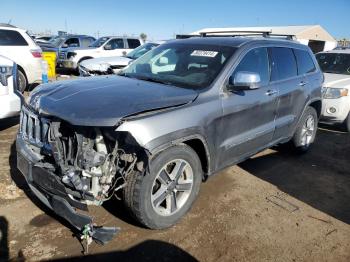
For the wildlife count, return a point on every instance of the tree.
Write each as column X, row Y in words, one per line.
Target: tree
column 143, row 36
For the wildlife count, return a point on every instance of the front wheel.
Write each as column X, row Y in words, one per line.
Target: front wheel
column 162, row 196
column 305, row 133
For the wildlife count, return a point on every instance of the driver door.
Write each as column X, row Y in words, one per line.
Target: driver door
column 248, row 120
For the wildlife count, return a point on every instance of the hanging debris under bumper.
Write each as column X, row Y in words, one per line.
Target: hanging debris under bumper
column 51, row 192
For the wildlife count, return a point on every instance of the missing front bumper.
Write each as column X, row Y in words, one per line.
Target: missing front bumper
column 51, row 192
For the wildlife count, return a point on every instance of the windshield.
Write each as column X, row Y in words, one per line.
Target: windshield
column 56, row 41
column 179, row 64
column 99, row 42
column 334, row 63
column 141, row 50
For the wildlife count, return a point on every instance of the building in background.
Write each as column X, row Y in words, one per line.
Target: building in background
column 315, row 36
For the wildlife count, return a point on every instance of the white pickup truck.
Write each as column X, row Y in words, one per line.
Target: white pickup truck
column 103, row 47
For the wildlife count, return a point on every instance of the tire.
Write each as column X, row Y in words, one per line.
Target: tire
column 305, row 133
column 346, row 123
column 22, row 82
column 142, row 192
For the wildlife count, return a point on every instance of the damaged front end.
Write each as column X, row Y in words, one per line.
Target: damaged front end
column 70, row 167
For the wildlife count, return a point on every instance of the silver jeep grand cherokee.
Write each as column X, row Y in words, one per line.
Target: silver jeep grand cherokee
column 151, row 134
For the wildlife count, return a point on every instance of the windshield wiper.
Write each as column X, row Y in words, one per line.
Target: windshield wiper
column 154, row 80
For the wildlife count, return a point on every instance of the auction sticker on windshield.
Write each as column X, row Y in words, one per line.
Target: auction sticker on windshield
column 204, row 53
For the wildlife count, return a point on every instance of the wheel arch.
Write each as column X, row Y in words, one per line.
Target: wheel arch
column 85, row 58
column 194, row 141
column 317, row 105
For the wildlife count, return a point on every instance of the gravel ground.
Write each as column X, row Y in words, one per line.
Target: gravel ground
column 274, row 207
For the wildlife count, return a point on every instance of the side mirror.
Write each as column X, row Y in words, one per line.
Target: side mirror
column 64, row 45
column 243, row 80
column 108, row 47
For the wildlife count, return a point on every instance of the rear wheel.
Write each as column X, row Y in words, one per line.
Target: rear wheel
column 22, row 81
column 305, row 133
column 162, row 196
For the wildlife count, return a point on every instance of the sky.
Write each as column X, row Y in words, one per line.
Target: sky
column 163, row 19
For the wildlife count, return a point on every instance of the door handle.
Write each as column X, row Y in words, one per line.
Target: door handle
column 302, row 83
column 271, row 92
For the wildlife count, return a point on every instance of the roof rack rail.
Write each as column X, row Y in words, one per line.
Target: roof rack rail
column 233, row 33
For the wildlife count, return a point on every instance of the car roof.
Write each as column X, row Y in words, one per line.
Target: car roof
column 67, row 36
column 336, row 51
column 236, row 41
column 116, row 36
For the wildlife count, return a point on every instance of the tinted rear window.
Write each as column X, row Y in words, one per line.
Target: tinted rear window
column 304, row 61
column 133, row 43
column 11, row 38
column 283, row 63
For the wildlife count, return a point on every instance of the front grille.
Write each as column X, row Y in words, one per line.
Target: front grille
column 34, row 129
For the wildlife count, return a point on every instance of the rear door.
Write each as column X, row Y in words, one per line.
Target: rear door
column 290, row 86
column 249, row 115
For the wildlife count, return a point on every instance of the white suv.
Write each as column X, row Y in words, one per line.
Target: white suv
column 103, row 47
column 10, row 101
column 335, row 65
column 17, row 45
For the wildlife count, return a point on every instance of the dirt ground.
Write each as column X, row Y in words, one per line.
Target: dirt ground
column 273, row 207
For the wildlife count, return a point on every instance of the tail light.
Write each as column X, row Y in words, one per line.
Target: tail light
column 36, row 53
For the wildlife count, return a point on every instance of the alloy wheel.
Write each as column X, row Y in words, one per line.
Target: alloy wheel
column 172, row 187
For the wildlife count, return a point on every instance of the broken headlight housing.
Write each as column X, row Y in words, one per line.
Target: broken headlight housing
column 5, row 73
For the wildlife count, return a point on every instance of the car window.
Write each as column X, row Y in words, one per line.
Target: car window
column 72, row 42
column 99, row 42
column 11, row 38
column 304, row 62
column 116, row 43
column 141, row 50
column 283, row 63
column 133, row 43
column 86, row 42
column 334, row 63
column 256, row 61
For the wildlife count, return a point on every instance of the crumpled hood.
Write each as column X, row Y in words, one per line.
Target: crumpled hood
column 105, row 100
column 336, row 80
column 103, row 63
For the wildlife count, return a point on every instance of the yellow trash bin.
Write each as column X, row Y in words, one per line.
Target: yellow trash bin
column 50, row 57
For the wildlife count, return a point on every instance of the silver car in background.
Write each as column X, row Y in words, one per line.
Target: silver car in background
column 113, row 64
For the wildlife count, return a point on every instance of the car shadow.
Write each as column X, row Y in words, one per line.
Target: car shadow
column 149, row 250
column 8, row 122
column 319, row 178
